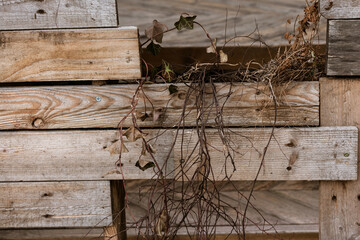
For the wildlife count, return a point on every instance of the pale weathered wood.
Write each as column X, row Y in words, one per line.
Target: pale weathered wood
column 339, row 201
column 289, row 211
column 296, row 154
column 340, row 9
column 55, row 204
column 72, row 155
column 343, row 48
column 110, row 233
column 104, row 106
column 47, row 234
column 82, row 54
column 24, row 14
column 222, row 19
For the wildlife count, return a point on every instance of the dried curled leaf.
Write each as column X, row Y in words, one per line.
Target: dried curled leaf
column 114, row 171
column 153, row 48
column 133, row 134
column 185, row 22
column 212, row 47
column 147, row 148
column 157, row 113
column 144, row 164
column 142, row 116
column 162, row 223
column 223, row 56
column 173, row 89
column 156, row 31
column 115, row 148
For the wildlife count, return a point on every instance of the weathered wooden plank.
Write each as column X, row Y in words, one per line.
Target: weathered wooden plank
column 55, row 204
column 340, row 201
column 58, row 55
column 343, row 48
column 51, row 234
column 221, row 19
column 289, row 211
column 104, row 106
column 81, row 155
column 23, row 14
column 296, row 154
column 58, row 235
column 340, row 9
column 132, row 186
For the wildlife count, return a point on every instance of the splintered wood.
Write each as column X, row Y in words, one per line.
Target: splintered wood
column 68, row 55
column 103, row 106
column 55, row 204
column 24, row 14
column 294, row 154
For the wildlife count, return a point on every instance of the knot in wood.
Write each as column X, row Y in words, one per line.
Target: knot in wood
column 38, row 123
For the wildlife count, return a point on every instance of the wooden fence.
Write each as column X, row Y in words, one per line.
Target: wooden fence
column 59, row 143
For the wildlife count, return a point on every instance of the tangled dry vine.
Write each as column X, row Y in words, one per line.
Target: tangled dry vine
column 186, row 198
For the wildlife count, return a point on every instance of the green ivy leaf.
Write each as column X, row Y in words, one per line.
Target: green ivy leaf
column 185, row 22
column 173, row 89
column 167, row 72
column 153, row 48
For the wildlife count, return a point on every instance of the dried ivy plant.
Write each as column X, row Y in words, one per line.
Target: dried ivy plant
column 188, row 199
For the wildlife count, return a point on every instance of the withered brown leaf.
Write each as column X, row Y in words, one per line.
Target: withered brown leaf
column 156, row 31
column 133, row 134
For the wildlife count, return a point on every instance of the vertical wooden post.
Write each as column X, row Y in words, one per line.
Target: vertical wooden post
column 118, row 208
column 340, row 201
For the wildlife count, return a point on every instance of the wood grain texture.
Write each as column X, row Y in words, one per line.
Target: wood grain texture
column 81, row 155
column 296, row 154
column 343, row 48
column 340, row 9
column 24, row 14
column 222, row 19
column 60, row 55
column 52, row 234
column 55, row 204
column 340, row 201
column 290, row 211
column 110, row 233
column 311, row 153
column 104, row 106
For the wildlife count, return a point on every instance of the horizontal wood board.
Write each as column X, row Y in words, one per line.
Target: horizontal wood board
column 55, row 204
column 65, row 55
column 52, row 234
column 343, row 48
column 340, row 9
column 311, row 154
column 23, row 14
column 249, row 104
column 293, row 154
column 289, row 211
column 222, row 19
